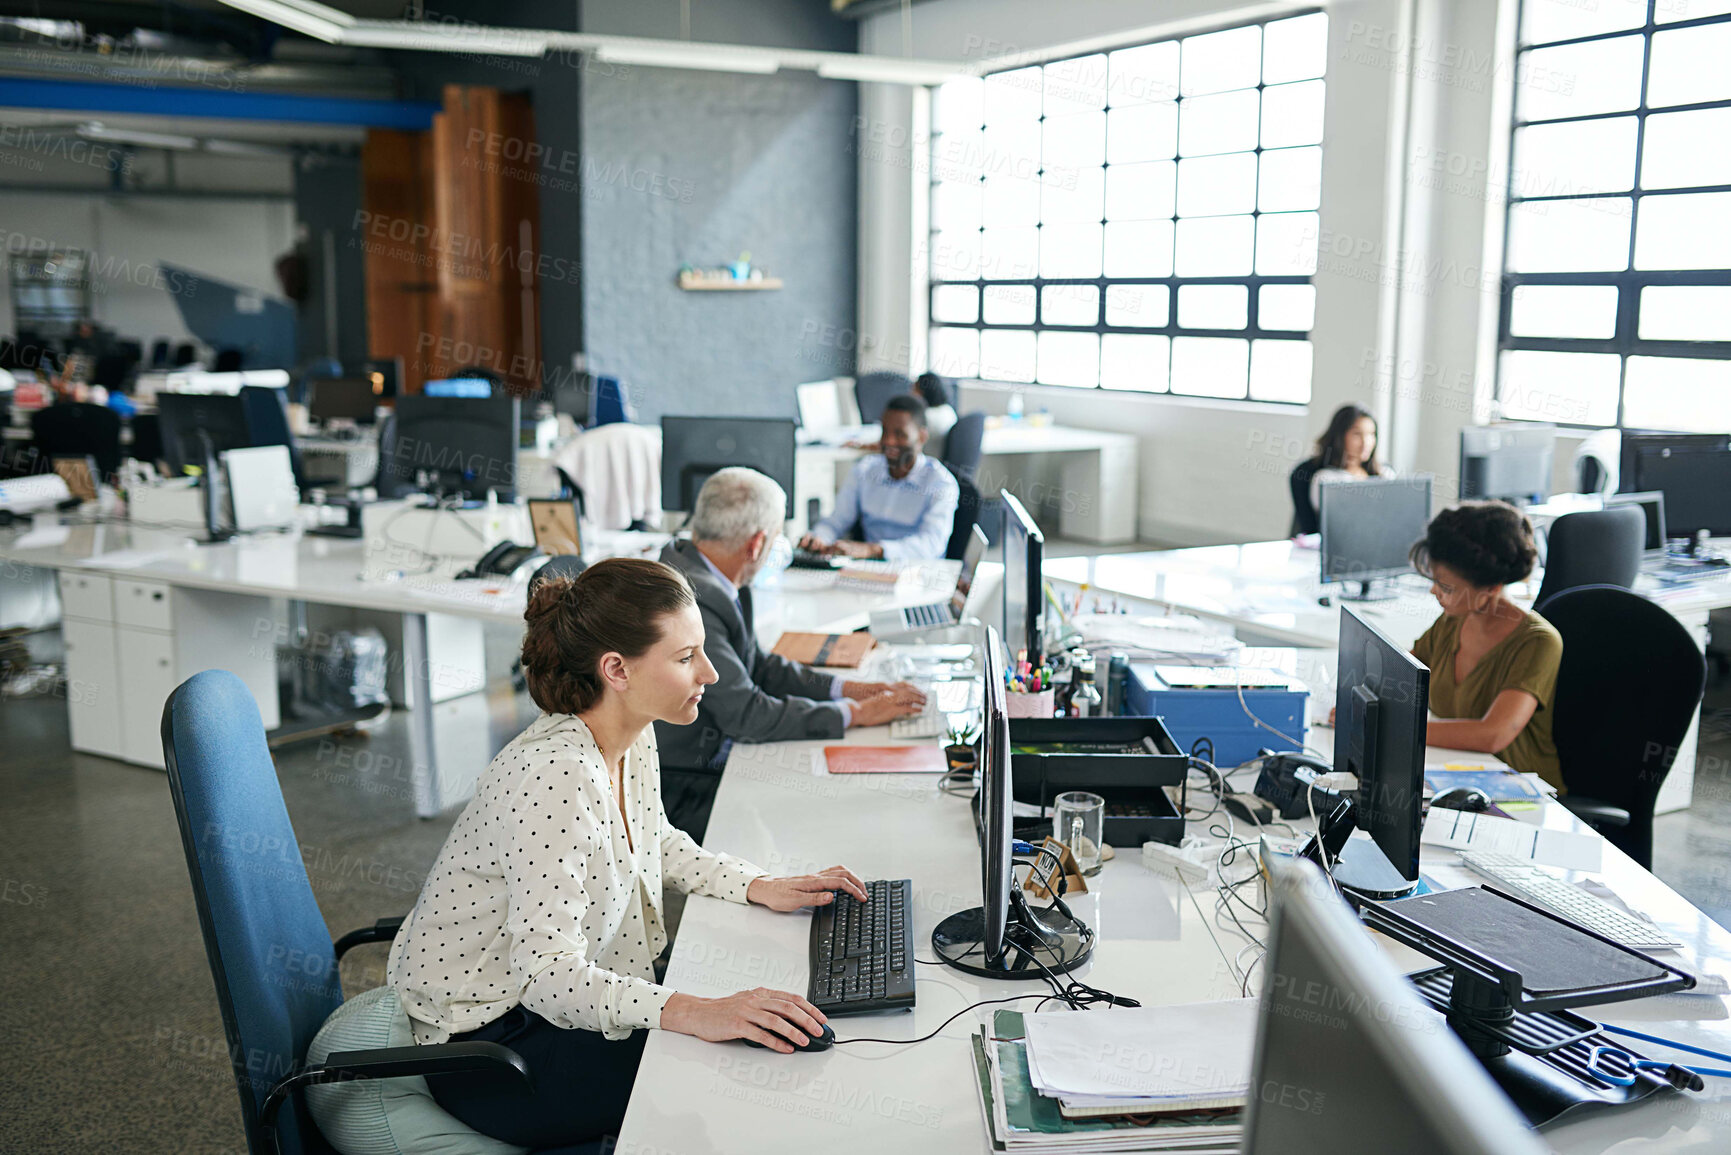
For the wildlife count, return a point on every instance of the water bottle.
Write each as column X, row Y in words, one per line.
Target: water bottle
column 1015, row 408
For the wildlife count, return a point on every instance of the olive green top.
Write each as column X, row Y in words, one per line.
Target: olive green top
column 1525, row 660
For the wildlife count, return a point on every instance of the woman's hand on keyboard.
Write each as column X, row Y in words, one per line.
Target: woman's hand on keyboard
column 776, row 1019
column 803, row 890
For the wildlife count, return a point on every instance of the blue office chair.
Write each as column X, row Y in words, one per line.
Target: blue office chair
column 257, row 912
column 873, row 392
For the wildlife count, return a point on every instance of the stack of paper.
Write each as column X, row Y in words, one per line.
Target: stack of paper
column 1022, row 1115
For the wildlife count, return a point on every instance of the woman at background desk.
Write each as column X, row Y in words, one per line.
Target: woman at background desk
column 1493, row 665
column 540, row 921
column 1346, row 451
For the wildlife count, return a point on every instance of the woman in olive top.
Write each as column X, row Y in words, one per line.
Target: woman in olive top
column 1493, row 665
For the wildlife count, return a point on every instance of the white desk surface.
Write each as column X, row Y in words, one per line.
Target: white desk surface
column 1270, row 590
column 777, row 808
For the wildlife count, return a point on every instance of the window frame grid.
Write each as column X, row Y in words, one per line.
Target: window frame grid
column 1625, row 341
column 1252, row 282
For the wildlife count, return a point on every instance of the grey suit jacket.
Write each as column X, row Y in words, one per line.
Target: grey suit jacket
column 760, row 697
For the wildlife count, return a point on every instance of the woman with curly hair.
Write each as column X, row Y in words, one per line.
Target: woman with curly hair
column 1493, row 666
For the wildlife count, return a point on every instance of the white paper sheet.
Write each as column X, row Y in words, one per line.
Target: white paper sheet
column 1465, row 830
column 1190, row 1051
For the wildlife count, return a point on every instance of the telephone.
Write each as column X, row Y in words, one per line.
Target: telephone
column 504, row 559
column 1278, row 782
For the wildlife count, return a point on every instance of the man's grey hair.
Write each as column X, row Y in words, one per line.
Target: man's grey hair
column 735, row 503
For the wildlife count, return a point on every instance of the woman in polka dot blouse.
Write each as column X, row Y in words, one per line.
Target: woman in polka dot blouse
column 540, row 921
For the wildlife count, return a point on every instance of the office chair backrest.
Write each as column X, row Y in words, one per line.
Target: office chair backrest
column 607, row 404
column 964, row 443
column 185, row 354
column 229, row 361
column 1304, row 516
column 1599, row 548
column 79, row 429
column 159, row 353
column 269, row 950
column 1628, row 688
column 873, row 392
column 967, row 515
column 390, row 479
column 146, row 438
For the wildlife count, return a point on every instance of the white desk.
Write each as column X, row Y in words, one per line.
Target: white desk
column 1097, row 495
column 1270, row 593
column 243, row 575
column 777, row 808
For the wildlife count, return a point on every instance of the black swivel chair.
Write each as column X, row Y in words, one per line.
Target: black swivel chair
column 1628, row 688
column 267, row 423
column 964, row 444
column 392, row 478
column 78, row 429
column 146, row 438
column 1305, row 519
column 185, row 353
column 967, row 515
column 229, row 361
column 1599, row 548
column 159, row 353
column 873, row 392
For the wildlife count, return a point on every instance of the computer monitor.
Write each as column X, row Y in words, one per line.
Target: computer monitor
column 344, row 399
column 196, row 424
column 1382, row 701
column 1001, row 938
column 1653, row 506
column 386, row 374
column 1692, row 470
column 1368, row 528
column 1349, row 1060
column 470, row 387
column 1024, row 550
column 694, row 448
column 1509, row 461
column 461, row 445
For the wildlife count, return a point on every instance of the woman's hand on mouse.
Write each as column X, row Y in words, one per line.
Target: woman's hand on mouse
column 780, row 1020
column 800, row 891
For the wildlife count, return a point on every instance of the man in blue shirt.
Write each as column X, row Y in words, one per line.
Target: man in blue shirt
column 903, row 502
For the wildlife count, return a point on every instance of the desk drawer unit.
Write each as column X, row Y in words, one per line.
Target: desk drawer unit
column 145, row 605
column 86, row 595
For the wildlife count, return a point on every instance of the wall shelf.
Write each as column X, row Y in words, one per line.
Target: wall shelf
column 694, row 282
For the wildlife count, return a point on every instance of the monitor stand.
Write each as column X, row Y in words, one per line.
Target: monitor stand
column 1058, row 941
column 1365, row 871
column 1373, row 590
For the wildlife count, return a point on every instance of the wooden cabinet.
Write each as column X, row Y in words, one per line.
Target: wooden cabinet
column 451, row 236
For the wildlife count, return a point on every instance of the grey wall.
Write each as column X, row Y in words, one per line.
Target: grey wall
column 688, row 167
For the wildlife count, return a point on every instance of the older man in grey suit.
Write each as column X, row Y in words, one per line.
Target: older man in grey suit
column 760, row 696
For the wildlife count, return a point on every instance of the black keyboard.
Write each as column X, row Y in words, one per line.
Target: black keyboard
column 804, row 559
column 862, row 955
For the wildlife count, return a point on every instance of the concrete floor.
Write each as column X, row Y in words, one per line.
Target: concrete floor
column 111, row 1039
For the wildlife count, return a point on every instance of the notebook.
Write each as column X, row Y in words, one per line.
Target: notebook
column 923, row 758
column 845, row 651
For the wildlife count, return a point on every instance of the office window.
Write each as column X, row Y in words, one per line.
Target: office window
column 1616, row 293
column 1143, row 219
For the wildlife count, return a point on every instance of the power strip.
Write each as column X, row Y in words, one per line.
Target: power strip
column 1192, row 861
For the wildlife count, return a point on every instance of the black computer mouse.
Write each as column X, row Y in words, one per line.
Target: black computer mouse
column 820, row 1043
column 1462, row 798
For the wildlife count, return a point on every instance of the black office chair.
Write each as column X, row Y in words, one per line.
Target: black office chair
column 146, row 438
column 267, row 423
column 159, row 353
column 229, row 361
column 1305, row 519
column 967, row 515
column 78, row 429
column 185, row 353
column 393, row 478
column 1628, row 688
column 1599, row 548
column 873, row 391
column 964, row 444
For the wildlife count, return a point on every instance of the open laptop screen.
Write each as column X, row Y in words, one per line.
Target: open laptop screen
column 965, row 580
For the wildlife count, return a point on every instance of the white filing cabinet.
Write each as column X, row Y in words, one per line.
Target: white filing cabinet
column 129, row 643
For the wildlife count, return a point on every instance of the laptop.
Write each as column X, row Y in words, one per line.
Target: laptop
column 935, row 615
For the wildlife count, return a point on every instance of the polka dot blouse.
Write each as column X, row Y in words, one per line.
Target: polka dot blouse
column 540, row 897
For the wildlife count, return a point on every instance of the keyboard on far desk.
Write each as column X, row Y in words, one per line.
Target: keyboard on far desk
column 862, row 955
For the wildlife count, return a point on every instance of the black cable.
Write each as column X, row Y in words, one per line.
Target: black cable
column 945, row 1023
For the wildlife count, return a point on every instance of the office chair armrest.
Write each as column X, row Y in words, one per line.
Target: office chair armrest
column 382, row 931
column 1594, row 813
column 393, row 1063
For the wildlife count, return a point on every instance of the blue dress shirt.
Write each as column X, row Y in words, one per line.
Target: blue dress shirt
column 910, row 517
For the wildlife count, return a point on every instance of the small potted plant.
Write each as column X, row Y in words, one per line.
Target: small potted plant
column 961, row 751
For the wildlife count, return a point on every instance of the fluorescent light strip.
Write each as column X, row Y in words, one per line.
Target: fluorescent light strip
column 409, row 35
column 309, row 19
column 886, row 70
column 688, row 55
